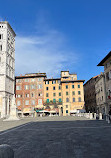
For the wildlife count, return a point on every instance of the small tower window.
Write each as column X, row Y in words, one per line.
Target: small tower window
column 0, row 47
column 1, row 36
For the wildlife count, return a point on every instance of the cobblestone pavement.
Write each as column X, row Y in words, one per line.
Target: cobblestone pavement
column 57, row 138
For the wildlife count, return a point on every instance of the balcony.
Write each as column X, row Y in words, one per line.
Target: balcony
column 55, row 103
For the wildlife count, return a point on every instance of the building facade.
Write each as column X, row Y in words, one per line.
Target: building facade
column 106, row 62
column 7, row 67
column 65, row 93
column 90, row 94
column 29, row 92
column 100, row 94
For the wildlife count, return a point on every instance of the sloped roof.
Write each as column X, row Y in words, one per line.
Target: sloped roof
column 104, row 59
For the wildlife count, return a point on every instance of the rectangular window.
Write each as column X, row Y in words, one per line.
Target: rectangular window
column 66, row 86
column 33, row 102
column 78, row 85
column 72, row 86
column 47, row 100
column 73, row 99
column 66, row 106
column 59, row 94
column 58, row 81
column 32, row 94
column 47, row 88
column 18, row 80
column 27, row 95
column 67, row 99
column 39, row 79
column 47, row 94
column 40, row 94
column 107, row 76
column 33, row 79
column 73, row 93
column 33, row 86
column 39, row 101
column 26, row 87
column 0, row 47
column 18, row 88
column 54, row 82
column 46, row 82
column 54, row 100
column 26, row 80
column 40, row 86
column 18, row 103
column 54, row 94
column 27, row 102
column 79, row 99
column 60, row 100
column 1, row 36
column 66, row 111
column 59, row 87
column 66, row 93
column 79, row 92
column 18, row 96
column 53, row 88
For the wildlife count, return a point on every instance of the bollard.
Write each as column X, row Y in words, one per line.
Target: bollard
column 87, row 115
column 100, row 116
column 108, row 119
column 6, row 151
column 91, row 116
column 95, row 116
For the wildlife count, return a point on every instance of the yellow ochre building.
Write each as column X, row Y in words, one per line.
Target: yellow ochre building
column 65, row 93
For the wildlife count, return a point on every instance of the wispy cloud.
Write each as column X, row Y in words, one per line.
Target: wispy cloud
column 46, row 51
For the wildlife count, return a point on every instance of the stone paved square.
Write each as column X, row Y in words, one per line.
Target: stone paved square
column 58, row 137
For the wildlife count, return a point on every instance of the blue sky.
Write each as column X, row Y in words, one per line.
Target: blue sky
column 55, row 35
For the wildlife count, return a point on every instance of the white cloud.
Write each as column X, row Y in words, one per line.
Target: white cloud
column 45, row 52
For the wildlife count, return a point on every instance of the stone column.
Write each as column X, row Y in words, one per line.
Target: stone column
column 100, row 116
column 13, row 111
column 95, row 116
column 3, row 108
column 7, row 105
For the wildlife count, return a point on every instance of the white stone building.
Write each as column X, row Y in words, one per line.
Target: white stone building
column 106, row 62
column 7, row 67
column 100, row 94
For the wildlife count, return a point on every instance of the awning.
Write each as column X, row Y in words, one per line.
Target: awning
column 44, row 111
column 73, row 111
column 39, row 110
column 52, row 111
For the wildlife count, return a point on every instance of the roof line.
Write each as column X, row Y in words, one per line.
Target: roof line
column 104, row 59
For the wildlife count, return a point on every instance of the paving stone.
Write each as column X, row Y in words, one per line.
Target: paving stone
column 58, row 137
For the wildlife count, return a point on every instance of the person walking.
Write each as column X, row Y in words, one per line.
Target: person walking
column 110, row 114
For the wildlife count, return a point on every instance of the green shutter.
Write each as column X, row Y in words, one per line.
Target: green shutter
column 54, row 100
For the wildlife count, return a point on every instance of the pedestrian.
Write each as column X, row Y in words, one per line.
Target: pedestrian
column 110, row 114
